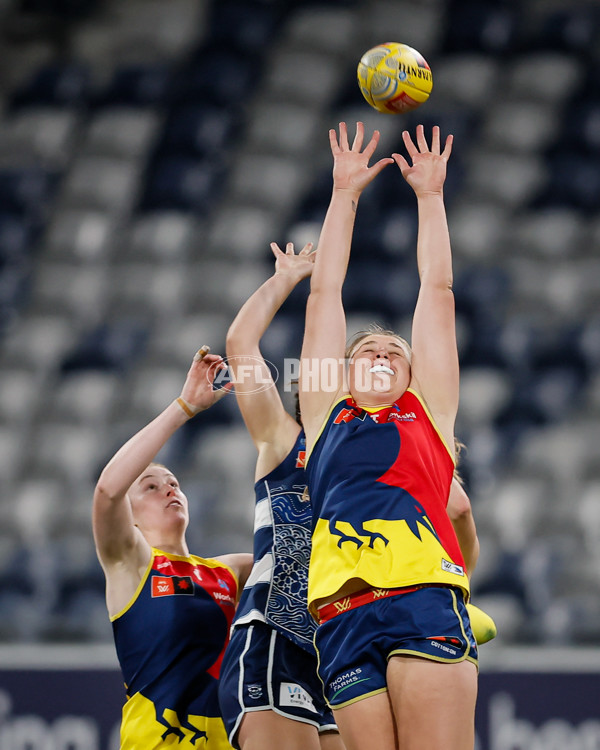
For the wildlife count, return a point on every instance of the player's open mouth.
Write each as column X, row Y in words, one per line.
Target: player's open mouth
column 381, row 368
column 175, row 502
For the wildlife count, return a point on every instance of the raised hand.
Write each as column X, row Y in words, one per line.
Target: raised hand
column 351, row 169
column 295, row 267
column 198, row 393
column 428, row 171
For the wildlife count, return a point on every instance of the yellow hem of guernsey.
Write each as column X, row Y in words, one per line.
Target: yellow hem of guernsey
column 209, row 562
column 373, row 409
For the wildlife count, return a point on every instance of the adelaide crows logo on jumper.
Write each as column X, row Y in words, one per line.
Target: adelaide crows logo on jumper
column 172, row 586
column 412, row 512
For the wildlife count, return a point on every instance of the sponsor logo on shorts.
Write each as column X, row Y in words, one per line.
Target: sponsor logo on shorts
column 292, row 694
column 444, row 647
column 346, row 680
column 449, row 567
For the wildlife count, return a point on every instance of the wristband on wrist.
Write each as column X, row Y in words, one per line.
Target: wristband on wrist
column 187, row 408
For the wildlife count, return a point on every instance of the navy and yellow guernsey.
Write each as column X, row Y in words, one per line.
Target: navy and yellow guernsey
column 170, row 641
column 379, row 482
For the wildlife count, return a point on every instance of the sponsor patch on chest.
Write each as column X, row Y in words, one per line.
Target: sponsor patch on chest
column 172, row 586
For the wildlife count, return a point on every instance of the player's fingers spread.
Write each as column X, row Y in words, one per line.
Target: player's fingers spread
column 421, row 140
column 381, row 164
column 448, row 147
column 276, row 249
column 435, row 140
column 410, row 146
column 401, row 162
column 372, row 144
column 289, row 248
column 358, row 137
column 333, row 141
column 344, row 137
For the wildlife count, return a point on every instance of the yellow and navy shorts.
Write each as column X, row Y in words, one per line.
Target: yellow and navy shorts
column 355, row 643
column 263, row 670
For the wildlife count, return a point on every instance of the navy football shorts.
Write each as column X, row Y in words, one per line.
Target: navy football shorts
column 354, row 646
column 261, row 670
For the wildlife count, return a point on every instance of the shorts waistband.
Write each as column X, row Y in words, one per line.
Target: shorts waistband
column 358, row 598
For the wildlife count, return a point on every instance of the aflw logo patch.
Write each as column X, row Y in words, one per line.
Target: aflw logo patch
column 172, row 586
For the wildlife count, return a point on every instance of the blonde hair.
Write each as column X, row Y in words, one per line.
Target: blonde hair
column 458, row 449
column 376, row 330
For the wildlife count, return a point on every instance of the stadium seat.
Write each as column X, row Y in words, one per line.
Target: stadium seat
column 121, row 132
column 243, row 231
column 421, row 23
column 183, row 183
column 71, row 290
column 282, row 127
column 172, row 236
column 83, row 397
column 113, row 345
column 39, row 341
column 55, row 84
column 581, row 127
column 20, row 385
column 326, row 27
column 481, row 70
column 142, row 85
column 42, row 136
column 572, row 30
column 519, row 125
column 483, row 392
column 473, row 26
column 66, row 451
column 574, row 181
column 554, row 233
column 218, row 75
column 27, row 191
column 84, row 235
column 248, row 25
column 314, row 86
column 108, row 184
column 176, row 340
column 198, row 129
column 147, row 289
column 556, row 76
column 503, row 176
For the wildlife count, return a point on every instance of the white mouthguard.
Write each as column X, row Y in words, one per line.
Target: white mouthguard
column 381, row 368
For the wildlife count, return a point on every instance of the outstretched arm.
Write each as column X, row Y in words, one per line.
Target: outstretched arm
column 116, row 537
column 435, row 358
column 271, row 428
column 325, row 330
